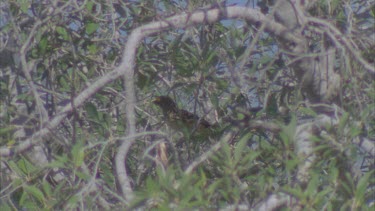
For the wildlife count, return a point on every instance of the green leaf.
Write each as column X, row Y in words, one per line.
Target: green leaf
column 82, row 175
column 26, row 166
column 297, row 192
column 43, row 45
column 362, row 186
column 83, row 76
column 64, row 85
column 92, row 48
column 17, row 182
column 59, row 162
column 288, row 131
column 241, row 146
column 312, row 186
column 35, row 192
column 291, row 164
column 92, row 112
column 343, row 121
column 73, row 200
column 319, row 197
column 6, row 129
column 23, row 198
column 222, row 84
column 91, row 28
column 5, row 207
column 25, row 97
column 210, row 57
column 62, row 184
column 47, row 188
column 78, row 153
column 307, row 111
column 89, row 6
column 62, row 31
column 24, row 5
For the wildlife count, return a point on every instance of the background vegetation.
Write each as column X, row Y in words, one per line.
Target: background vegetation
column 59, row 147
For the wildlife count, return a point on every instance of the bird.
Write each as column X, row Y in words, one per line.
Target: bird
column 180, row 119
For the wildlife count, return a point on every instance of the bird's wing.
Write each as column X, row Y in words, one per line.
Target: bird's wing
column 193, row 119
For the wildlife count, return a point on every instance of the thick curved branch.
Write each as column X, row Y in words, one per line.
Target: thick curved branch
column 304, row 146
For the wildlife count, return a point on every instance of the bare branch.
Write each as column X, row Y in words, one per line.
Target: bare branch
column 226, row 138
column 305, row 146
column 275, row 201
column 340, row 40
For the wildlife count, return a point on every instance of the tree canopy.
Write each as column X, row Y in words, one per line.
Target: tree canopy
column 285, row 89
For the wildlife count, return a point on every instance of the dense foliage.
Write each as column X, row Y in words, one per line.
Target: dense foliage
column 233, row 73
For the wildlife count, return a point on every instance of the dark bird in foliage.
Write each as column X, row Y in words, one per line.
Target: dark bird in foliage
column 179, row 118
